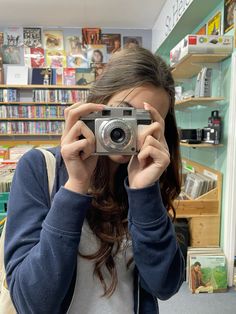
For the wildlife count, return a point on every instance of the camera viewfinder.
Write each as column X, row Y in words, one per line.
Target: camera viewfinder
column 127, row 112
column 106, row 113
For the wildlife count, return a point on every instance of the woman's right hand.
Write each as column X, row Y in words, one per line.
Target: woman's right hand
column 77, row 153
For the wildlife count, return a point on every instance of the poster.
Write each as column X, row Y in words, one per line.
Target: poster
column 228, row 15
column 214, row 25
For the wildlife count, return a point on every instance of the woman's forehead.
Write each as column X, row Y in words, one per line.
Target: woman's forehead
column 135, row 97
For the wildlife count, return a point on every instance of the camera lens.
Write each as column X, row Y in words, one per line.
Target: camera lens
column 117, row 135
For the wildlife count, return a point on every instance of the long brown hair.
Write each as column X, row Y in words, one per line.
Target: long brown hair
column 107, row 217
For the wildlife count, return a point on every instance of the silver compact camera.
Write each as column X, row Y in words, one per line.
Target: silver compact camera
column 115, row 129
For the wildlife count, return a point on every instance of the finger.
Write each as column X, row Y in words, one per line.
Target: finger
column 75, row 105
column 154, row 113
column 74, row 150
column 78, row 129
column 75, row 114
column 154, row 129
column 150, row 153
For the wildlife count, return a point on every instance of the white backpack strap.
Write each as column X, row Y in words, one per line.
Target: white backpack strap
column 51, row 167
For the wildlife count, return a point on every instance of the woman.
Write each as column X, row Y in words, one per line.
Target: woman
column 106, row 244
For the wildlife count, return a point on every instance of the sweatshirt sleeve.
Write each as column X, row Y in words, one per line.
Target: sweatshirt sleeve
column 156, row 251
column 42, row 240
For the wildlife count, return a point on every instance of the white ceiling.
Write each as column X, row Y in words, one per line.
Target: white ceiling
column 133, row 14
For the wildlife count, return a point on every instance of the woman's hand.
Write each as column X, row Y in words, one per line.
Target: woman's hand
column 147, row 166
column 77, row 153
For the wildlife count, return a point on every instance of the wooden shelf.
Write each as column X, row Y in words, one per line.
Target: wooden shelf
column 29, row 135
column 35, row 103
column 32, row 119
column 203, row 213
column 190, row 65
column 202, row 145
column 35, row 142
column 191, row 102
column 45, row 86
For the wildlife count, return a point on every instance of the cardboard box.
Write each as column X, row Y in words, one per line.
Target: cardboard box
column 200, row 44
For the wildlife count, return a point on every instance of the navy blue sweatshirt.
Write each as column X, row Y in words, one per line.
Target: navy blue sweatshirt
column 42, row 240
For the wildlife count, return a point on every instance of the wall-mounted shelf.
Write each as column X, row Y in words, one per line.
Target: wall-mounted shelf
column 190, row 65
column 191, row 102
column 202, row 145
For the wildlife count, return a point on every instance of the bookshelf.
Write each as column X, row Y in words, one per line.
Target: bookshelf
column 203, row 213
column 34, row 114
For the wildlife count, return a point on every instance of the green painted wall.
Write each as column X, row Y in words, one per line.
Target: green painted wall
column 198, row 116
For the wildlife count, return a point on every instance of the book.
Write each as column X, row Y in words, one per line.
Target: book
column 39, row 75
column 53, row 40
column 207, row 273
column 84, row 76
column 11, row 54
column 91, row 36
column 32, row 37
column 97, row 54
column 17, row 75
column 56, row 58
column 69, row 76
column 112, row 41
column 13, row 36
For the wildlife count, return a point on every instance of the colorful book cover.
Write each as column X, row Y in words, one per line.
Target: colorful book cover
column 112, row 41
column 13, row 36
column 97, row 53
column 69, row 76
column 229, row 6
column 38, row 75
column 84, row 76
column 59, row 76
column 73, row 45
column 91, row 36
column 214, row 25
column 37, row 57
column 208, row 273
column 78, row 61
column 34, row 57
column 32, row 36
column 53, row 40
column 56, row 58
column 11, row 54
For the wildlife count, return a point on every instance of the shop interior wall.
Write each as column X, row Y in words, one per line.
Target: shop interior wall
column 197, row 117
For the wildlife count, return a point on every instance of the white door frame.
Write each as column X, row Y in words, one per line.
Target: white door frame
column 229, row 232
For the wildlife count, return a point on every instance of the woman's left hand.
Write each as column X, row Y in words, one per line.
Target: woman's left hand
column 147, row 166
